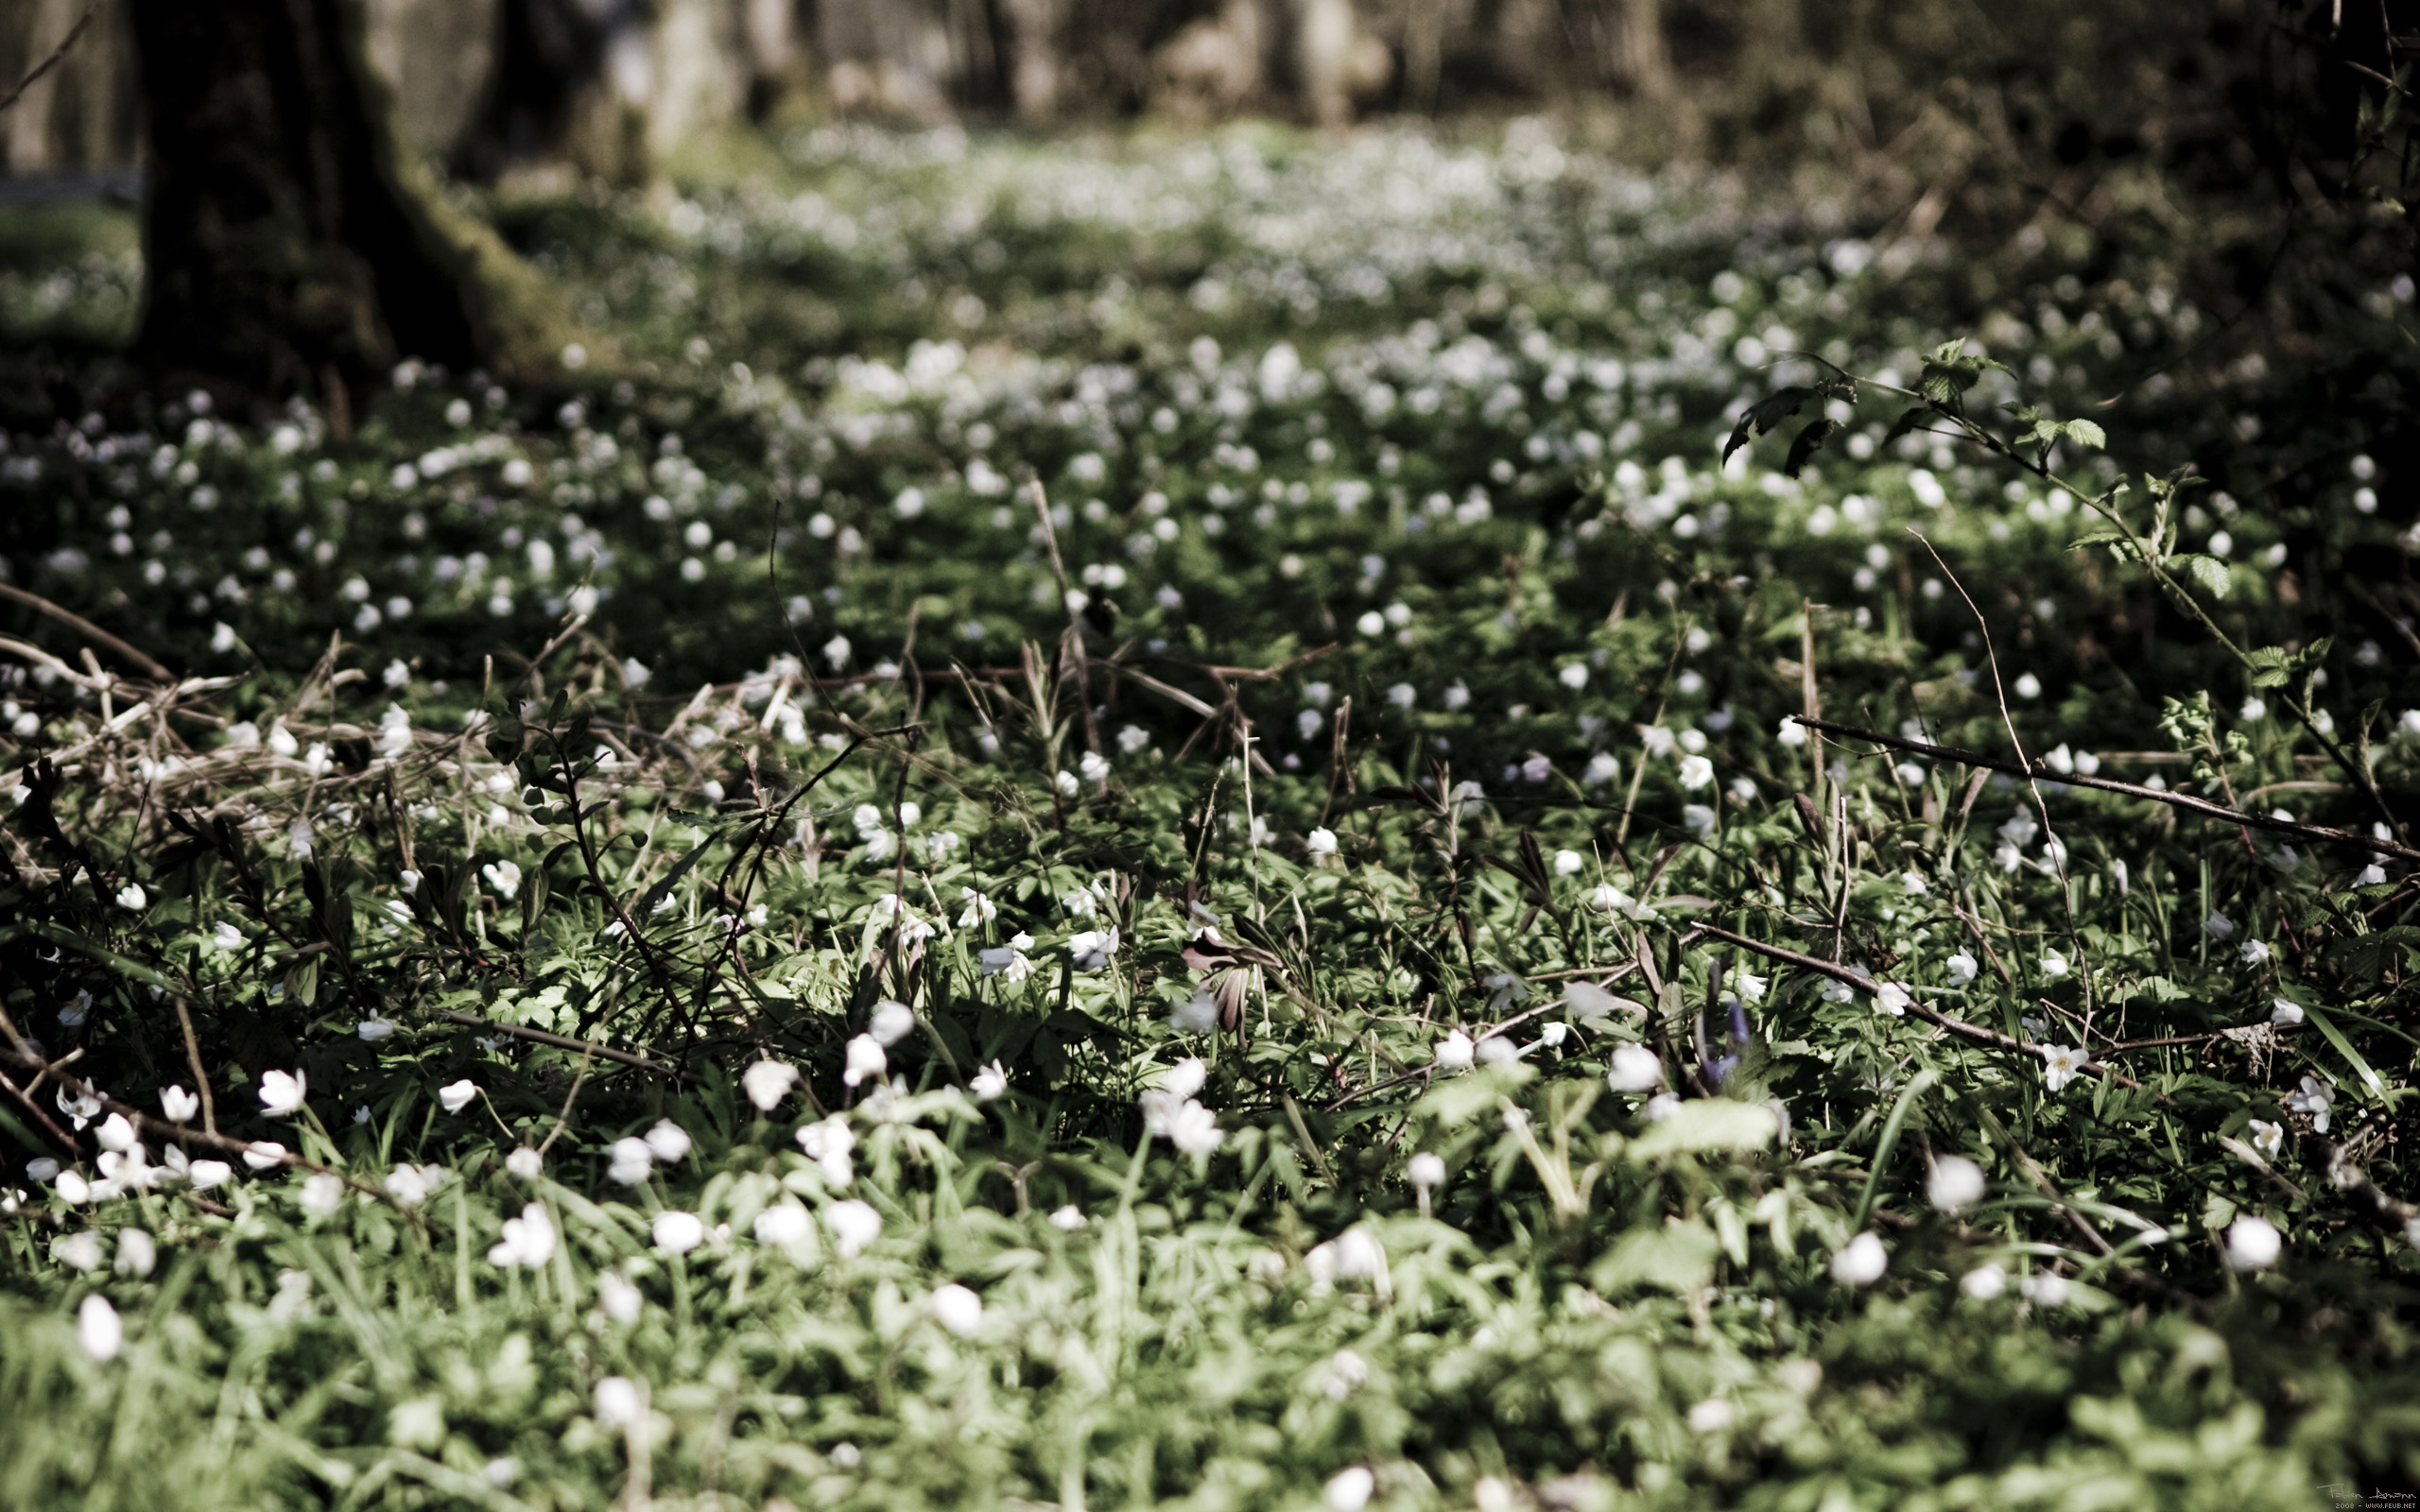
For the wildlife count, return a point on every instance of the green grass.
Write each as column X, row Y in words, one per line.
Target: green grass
column 1429, row 431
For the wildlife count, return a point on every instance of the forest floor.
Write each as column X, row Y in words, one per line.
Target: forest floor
column 1123, row 823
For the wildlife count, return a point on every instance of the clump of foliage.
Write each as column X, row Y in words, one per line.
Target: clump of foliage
column 1287, row 870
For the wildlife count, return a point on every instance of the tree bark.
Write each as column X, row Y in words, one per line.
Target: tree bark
column 293, row 241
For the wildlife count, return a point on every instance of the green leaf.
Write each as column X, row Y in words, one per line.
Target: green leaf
column 2212, row 574
column 2098, row 537
column 1909, row 419
column 1677, row 1258
column 1766, row 413
column 2361, row 1071
column 1707, row 1126
column 2087, row 433
column 1809, row 442
column 61, row 934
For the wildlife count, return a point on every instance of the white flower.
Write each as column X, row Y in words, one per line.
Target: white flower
column 990, row 1082
column 1603, row 769
column 979, row 909
column 1913, row 883
column 2217, row 926
column 1860, row 1261
column 854, row 1225
column 1792, row 731
column 137, row 1253
column 503, row 876
column 667, row 1142
column 456, row 1096
column 1193, row 1128
column 78, row 1251
column 632, row 1162
column 2285, row 1013
column 1455, row 1052
column 1634, row 1070
column 620, row 1300
column 528, row 1240
column 1007, row 960
column 323, row 1193
column 1186, row 1077
column 2253, row 952
column 281, row 1092
column 1093, row 766
column 98, row 1329
column 264, row 1155
column 1696, row 771
column 2059, row 1064
column 525, row 1163
column 2268, row 1138
column 179, row 1104
column 1957, row 1182
column 115, row 1134
column 957, row 1309
column 1713, row 1415
column 864, row 1059
column 370, row 1031
column 1657, row 739
column 767, row 1082
column 1963, row 967
column 2045, row 1288
column 1197, row 1014
column 892, row 1023
column 1499, row 1050
column 1984, row 1281
column 1092, row 949
column 677, row 1233
column 1893, row 999
column 1426, row 1171
column 618, row 1402
column 1607, row 899
column 2253, row 711
column 1320, row 842
column 786, row 1226
column 2027, row 686
column 226, row 938
column 2008, row 857
column 411, row 1185
column 1698, row 819
column 203, row 1175
column 1660, row 1107
column 132, row 897
column 2253, row 1244
column 1067, row 1219
column 1349, row 1489
column 2053, row 963
column 1553, row 1035
column 1067, row 783
column 2313, row 1099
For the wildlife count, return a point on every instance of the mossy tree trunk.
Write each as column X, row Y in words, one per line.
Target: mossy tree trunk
column 293, row 241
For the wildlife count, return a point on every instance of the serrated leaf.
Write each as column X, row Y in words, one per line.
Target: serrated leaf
column 2087, row 433
column 1908, row 420
column 2212, row 574
column 2098, row 537
column 1809, row 442
column 1707, row 1126
column 1678, row 1258
column 1766, row 413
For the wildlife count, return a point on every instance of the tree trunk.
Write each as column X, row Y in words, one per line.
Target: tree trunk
column 293, row 239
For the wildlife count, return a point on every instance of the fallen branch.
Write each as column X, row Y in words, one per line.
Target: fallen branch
column 561, row 1042
column 1864, row 983
column 2184, row 801
column 73, row 621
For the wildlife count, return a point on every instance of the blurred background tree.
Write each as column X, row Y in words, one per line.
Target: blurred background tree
column 2255, row 147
